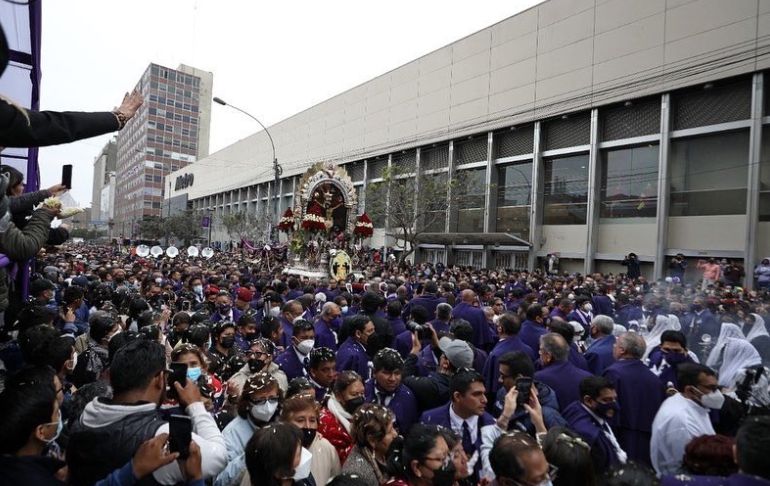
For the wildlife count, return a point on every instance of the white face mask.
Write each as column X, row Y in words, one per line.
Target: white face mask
column 713, row 400
column 198, row 289
column 304, row 347
column 344, row 309
column 264, row 411
column 298, row 318
column 303, row 470
column 74, row 362
column 275, row 311
column 588, row 307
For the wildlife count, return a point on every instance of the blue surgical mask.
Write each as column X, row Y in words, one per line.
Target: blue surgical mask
column 59, row 427
column 194, row 373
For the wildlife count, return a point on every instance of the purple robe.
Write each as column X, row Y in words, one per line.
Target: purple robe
column 288, row 332
column 482, row 333
column 440, row 326
column 352, row 356
column 507, row 345
column 640, row 395
column 289, row 362
column 564, row 379
column 403, row 404
column 397, row 324
column 530, row 334
column 588, row 427
column 429, row 301
column 324, row 336
column 599, row 354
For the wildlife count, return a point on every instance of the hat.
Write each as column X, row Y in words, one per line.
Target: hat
column 244, row 294
column 320, row 297
column 40, row 285
column 212, row 290
column 458, row 352
column 80, row 281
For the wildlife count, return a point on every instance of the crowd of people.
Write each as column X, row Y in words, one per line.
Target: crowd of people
column 403, row 374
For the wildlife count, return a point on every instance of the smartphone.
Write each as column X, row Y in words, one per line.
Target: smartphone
column 180, row 434
column 524, row 387
column 66, row 176
column 178, row 375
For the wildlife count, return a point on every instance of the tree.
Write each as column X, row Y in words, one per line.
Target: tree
column 184, row 226
column 243, row 225
column 152, row 228
column 410, row 206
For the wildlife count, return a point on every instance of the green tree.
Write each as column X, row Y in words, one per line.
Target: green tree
column 185, row 226
column 243, row 225
column 152, row 228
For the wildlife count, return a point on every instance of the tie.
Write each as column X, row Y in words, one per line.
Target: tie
column 305, row 362
column 467, row 442
column 383, row 397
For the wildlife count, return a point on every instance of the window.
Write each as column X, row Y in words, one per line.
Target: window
column 471, row 191
column 468, row 258
column 709, row 174
column 566, row 190
column 514, row 186
column 629, row 184
column 434, row 219
column 764, row 178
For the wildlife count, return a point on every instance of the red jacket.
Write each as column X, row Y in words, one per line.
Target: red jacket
column 332, row 430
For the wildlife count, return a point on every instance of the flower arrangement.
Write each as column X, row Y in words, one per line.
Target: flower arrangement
column 364, row 227
column 313, row 219
column 286, row 224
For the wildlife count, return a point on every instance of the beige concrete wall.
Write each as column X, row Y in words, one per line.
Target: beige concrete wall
column 564, row 238
column 560, row 56
column 620, row 238
column 605, row 266
column 702, row 233
column 763, row 241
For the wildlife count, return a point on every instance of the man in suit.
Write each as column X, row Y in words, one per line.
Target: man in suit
column 482, row 333
column 508, row 327
column 533, row 327
column 371, row 306
column 589, row 418
column 322, row 371
column 295, row 360
column 290, row 311
column 466, row 416
column 324, row 325
column 353, row 352
column 558, row 373
column 386, row 389
column 599, row 354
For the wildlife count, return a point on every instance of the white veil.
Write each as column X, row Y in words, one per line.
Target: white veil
column 728, row 331
column 758, row 329
column 663, row 323
column 739, row 355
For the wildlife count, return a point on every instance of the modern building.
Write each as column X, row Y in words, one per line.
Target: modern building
column 588, row 129
column 104, row 165
column 170, row 131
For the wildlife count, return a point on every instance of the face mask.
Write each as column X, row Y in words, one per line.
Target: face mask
column 158, row 280
column 675, row 358
column 224, row 309
column 198, row 289
column 194, row 373
column 344, row 309
column 264, row 411
column 296, row 319
column 228, row 342
column 588, row 308
column 74, row 362
column 59, row 427
column 713, row 400
column 303, row 470
column 255, row 365
column 275, row 311
column 250, row 336
column 445, row 475
column 304, row 347
column 352, row 405
column 308, row 436
column 603, row 408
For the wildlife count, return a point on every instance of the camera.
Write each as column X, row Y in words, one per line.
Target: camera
column 423, row 331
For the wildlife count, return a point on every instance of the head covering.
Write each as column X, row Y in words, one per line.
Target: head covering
column 663, row 323
column 758, row 329
column 728, row 331
column 457, row 351
column 245, row 294
column 739, row 355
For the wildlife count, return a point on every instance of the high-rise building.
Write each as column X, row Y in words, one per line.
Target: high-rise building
column 169, row 131
column 104, row 165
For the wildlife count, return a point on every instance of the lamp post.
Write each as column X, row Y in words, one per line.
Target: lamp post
column 277, row 169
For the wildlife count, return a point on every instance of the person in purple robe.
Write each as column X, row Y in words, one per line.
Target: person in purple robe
column 482, row 334
column 558, row 373
column 664, row 360
column 322, row 371
column 599, row 354
column 290, row 312
column 295, row 292
column 508, row 327
column 294, row 361
column 602, row 304
column 461, row 329
column 590, row 417
column 324, row 331
column 393, row 310
column 640, row 395
column 443, row 317
column 225, row 310
column 428, row 299
column 582, row 314
column 385, row 388
column 533, row 327
column 567, row 331
column 562, row 310
column 352, row 354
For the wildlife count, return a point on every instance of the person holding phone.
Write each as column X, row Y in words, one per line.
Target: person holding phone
column 109, row 432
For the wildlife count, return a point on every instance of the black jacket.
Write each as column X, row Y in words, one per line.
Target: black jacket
column 430, row 391
column 37, row 470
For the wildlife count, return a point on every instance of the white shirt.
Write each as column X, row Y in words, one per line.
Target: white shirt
column 678, row 421
column 457, row 426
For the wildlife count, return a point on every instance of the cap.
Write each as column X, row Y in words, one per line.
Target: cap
column 244, row 294
column 212, row 290
column 80, row 281
column 458, row 352
column 40, row 285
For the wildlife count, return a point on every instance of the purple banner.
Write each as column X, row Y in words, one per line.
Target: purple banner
column 205, row 222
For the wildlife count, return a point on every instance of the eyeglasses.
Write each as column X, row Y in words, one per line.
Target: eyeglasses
column 264, row 400
column 451, row 456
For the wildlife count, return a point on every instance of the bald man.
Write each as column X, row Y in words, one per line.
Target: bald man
column 483, row 334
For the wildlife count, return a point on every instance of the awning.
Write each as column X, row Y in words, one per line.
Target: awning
column 487, row 239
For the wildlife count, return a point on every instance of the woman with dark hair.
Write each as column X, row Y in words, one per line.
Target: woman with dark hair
column 334, row 422
column 423, row 458
column 459, row 457
column 197, row 370
column 572, row 455
column 630, row 474
column 275, row 457
column 373, row 432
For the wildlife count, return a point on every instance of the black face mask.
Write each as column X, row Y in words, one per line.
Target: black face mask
column 308, row 436
column 255, row 365
column 352, row 405
column 227, row 342
column 250, row 336
column 445, row 475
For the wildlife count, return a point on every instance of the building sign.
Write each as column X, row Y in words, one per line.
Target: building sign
column 184, row 181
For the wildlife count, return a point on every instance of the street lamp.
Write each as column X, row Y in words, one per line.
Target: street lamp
column 277, row 169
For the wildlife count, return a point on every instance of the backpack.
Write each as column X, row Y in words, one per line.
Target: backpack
column 88, row 368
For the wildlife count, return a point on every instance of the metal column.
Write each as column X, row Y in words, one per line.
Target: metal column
column 417, row 175
column 752, row 189
column 593, row 193
column 451, row 206
column 661, row 232
column 536, row 200
column 490, row 208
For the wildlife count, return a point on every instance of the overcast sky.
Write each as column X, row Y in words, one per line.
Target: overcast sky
column 271, row 58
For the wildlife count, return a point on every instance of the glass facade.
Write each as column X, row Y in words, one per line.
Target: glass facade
column 566, row 190
column 471, row 199
column 709, row 174
column 629, row 182
column 514, row 192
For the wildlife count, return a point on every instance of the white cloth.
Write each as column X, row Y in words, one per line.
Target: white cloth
column 678, row 421
column 336, row 408
column 739, row 354
column 662, row 324
column 758, row 329
column 728, row 331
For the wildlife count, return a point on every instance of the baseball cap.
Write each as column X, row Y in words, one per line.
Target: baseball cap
column 245, row 294
column 457, row 351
